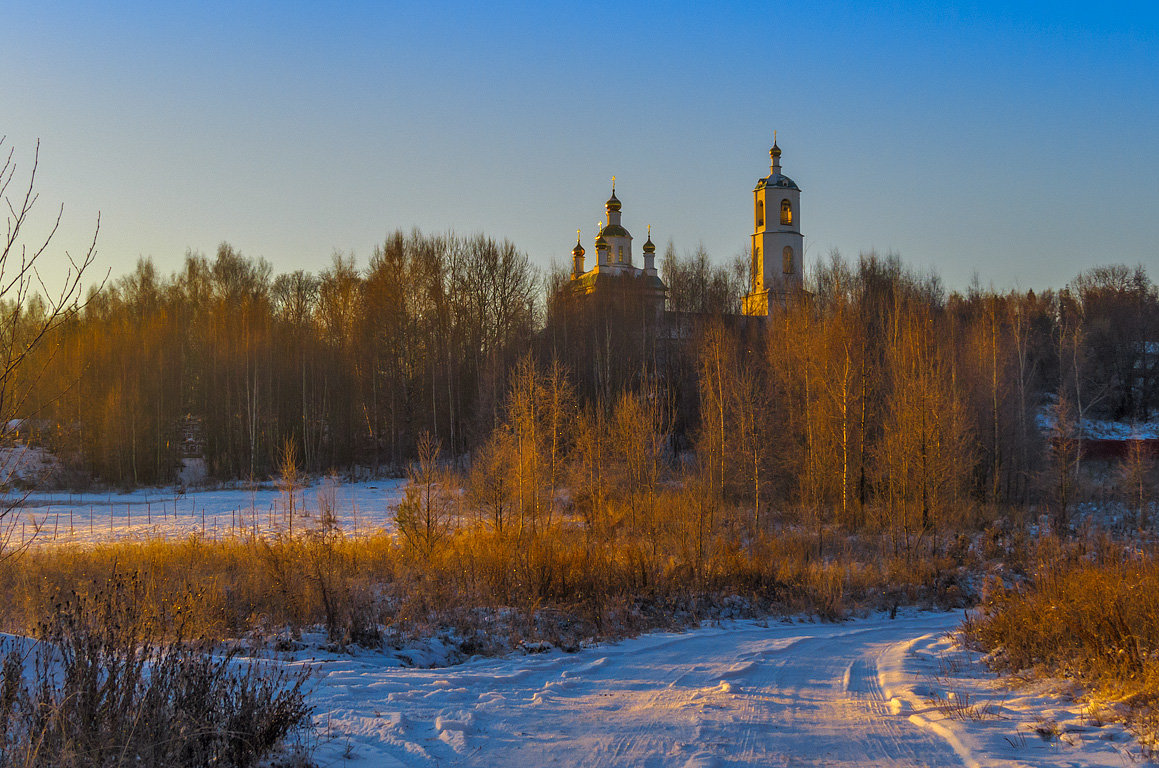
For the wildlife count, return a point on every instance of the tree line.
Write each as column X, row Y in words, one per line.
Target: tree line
column 874, row 385
column 349, row 365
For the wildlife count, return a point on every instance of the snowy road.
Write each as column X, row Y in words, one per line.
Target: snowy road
column 789, row 694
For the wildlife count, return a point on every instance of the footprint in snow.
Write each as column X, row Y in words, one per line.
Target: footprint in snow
column 593, row 665
column 463, row 723
column 737, row 670
column 456, row 740
column 490, row 701
column 453, row 730
column 396, row 720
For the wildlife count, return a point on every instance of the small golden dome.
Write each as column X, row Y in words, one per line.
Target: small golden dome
column 578, row 250
column 613, row 203
column 775, row 151
column 649, row 247
column 600, row 241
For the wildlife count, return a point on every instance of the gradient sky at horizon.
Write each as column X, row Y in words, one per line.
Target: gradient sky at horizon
column 1014, row 143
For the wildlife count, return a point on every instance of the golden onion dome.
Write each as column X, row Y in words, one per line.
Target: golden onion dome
column 775, row 151
column 578, row 250
column 648, row 246
column 600, row 241
column 613, row 203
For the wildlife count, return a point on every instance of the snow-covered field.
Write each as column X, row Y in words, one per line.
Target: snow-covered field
column 864, row 692
column 777, row 693
column 59, row 517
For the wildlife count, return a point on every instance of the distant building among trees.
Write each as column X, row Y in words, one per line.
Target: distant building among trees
column 615, row 276
column 859, row 394
column 778, row 247
column 775, row 273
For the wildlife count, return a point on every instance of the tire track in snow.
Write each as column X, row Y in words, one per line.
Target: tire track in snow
column 825, row 698
column 781, row 695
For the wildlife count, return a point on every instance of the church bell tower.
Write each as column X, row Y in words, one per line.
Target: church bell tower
column 778, row 247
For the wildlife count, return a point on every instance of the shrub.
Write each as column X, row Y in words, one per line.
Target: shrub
column 109, row 684
column 1089, row 614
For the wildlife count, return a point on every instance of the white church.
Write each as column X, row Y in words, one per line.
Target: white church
column 777, row 243
column 777, row 250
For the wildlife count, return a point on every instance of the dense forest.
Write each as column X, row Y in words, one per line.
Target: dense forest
column 873, row 384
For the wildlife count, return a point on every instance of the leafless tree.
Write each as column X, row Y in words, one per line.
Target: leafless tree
column 31, row 309
column 1137, row 482
column 425, row 516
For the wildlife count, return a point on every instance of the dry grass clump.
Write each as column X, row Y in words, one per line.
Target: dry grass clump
column 560, row 581
column 111, row 684
column 1088, row 613
column 218, row 589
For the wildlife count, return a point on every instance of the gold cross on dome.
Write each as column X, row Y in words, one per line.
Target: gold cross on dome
column 613, row 185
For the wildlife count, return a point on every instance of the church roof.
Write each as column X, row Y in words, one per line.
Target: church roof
column 778, row 180
column 629, row 278
column 615, row 230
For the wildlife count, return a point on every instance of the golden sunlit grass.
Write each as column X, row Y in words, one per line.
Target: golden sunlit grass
column 1089, row 613
column 595, row 586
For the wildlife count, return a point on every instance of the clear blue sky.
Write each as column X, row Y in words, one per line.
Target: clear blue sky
column 1016, row 141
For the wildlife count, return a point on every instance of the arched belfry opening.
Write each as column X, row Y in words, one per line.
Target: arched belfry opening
column 786, row 212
